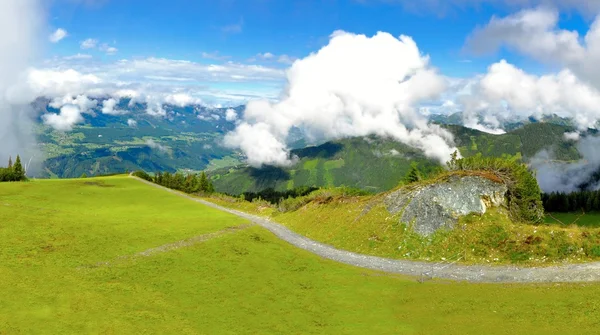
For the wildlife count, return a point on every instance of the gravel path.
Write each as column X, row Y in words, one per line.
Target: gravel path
column 587, row 272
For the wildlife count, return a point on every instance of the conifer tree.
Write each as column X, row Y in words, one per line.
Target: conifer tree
column 10, row 163
column 18, row 170
column 413, row 174
column 203, row 182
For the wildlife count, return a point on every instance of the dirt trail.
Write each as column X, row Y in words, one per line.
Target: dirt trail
column 587, row 272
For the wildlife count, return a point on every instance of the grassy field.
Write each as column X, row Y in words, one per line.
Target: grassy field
column 578, row 219
column 362, row 224
column 72, row 261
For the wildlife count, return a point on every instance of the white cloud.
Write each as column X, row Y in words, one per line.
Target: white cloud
column 152, row 144
column 58, row 35
column 445, row 7
column 108, row 49
column 214, row 55
column 78, row 56
column 182, row 100
column 354, row 86
column 285, row 59
column 155, row 109
column 535, row 33
column 69, row 116
column 532, row 32
column 132, row 123
column 266, row 55
column 507, row 92
column 83, row 103
column 572, row 136
column 54, row 83
column 89, row 43
column 231, row 115
column 108, row 107
column 270, row 57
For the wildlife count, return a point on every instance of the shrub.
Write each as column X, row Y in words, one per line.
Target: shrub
column 143, row 175
column 524, row 194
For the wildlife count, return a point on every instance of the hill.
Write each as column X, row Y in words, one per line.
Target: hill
column 187, row 138
column 112, row 255
column 378, row 164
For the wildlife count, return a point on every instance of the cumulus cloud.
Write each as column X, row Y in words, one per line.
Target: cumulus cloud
column 69, row 116
column 506, row 92
column 89, row 43
column 20, row 28
column 354, row 86
column 55, row 83
column 535, row 32
column 108, row 107
column 132, row 123
column 84, row 103
column 182, row 100
column 57, row 35
column 231, row 115
column 532, row 31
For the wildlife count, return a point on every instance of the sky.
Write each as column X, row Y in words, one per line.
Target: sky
column 333, row 68
column 270, row 34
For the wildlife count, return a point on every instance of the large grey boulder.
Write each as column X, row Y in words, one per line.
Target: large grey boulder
column 439, row 205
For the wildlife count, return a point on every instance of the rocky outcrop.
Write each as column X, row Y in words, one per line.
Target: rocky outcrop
column 439, row 205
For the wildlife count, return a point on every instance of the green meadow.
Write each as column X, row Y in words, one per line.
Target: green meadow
column 115, row 256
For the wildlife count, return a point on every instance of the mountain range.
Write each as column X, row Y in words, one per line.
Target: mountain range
column 189, row 138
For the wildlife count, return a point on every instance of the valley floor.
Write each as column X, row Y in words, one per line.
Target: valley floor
column 113, row 255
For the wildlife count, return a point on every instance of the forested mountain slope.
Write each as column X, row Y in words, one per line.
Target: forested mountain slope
column 378, row 164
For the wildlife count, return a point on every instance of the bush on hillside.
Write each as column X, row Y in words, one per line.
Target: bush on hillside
column 524, row 194
column 143, row 175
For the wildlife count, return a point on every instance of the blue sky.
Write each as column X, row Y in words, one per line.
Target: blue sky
column 254, row 41
column 238, row 30
column 323, row 66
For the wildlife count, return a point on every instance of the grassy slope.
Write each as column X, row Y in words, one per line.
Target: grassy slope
column 243, row 282
column 377, row 164
column 362, row 224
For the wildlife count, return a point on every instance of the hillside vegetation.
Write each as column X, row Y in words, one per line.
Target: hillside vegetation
column 377, row 164
column 113, row 255
column 511, row 234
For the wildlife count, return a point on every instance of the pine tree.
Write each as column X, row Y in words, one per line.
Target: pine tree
column 203, row 182
column 413, row 174
column 10, row 163
column 18, row 170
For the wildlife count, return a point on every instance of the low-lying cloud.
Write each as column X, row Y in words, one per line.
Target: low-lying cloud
column 555, row 176
column 20, row 28
column 354, row 86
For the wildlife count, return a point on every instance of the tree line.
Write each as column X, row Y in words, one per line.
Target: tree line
column 188, row 183
column 13, row 172
column 586, row 201
column 275, row 197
